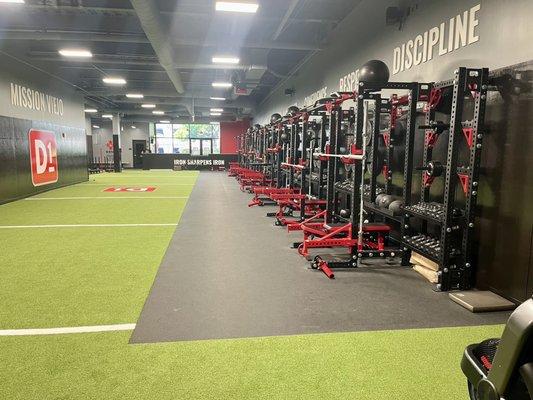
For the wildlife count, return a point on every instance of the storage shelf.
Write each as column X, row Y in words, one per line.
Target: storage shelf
column 385, row 212
column 422, row 210
column 431, row 212
column 424, row 250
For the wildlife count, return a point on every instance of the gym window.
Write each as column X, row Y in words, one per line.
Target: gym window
column 194, row 139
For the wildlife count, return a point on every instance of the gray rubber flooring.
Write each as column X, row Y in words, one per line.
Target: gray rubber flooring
column 229, row 273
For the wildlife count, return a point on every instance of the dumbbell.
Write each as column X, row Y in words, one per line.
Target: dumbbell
column 419, row 239
column 378, row 198
column 396, row 207
column 385, row 201
column 426, row 242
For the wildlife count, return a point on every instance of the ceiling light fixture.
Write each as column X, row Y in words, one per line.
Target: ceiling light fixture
column 216, row 110
column 225, row 60
column 96, row 127
column 91, row 110
column 157, row 112
column 78, row 53
column 218, row 98
column 148, row 105
column 114, row 81
column 165, row 121
column 133, row 127
column 134, row 96
column 221, row 84
column 107, row 116
column 236, row 6
column 12, row 1
column 216, row 114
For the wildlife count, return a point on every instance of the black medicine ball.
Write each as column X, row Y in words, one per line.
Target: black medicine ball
column 375, row 71
column 275, row 118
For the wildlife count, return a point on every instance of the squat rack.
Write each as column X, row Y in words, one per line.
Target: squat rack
column 454, row 218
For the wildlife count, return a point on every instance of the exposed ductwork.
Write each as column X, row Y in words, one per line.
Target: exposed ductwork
column 146, row 60
column 178, row 120
column 249, row 78
column 83, row 36
column 150, row 19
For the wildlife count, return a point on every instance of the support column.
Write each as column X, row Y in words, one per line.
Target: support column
column 117, row 156
column 89, row 139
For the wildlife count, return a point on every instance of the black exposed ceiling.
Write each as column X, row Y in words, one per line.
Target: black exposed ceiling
column 270, row 44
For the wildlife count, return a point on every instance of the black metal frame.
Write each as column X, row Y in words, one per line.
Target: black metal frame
column 452, row 250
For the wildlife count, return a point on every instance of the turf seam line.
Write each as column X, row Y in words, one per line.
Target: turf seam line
column 150, row 177
column 126, row 184
column 81, row 226
column 105, row 197
column 67, row 330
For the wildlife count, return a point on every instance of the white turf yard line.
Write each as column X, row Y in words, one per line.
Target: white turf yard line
column 105, row 198
column 62, row 331
column 148, row 177
column 82, row 226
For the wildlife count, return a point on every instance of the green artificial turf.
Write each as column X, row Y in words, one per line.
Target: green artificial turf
column 53, row 277
column 406, row 364
column 77, row 276
column 146, row 209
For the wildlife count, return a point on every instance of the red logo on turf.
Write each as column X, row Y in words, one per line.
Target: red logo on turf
column 43, row 157
column 130, row 189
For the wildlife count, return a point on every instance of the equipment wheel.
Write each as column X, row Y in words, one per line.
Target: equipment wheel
column 472, row 391
column 316, row 262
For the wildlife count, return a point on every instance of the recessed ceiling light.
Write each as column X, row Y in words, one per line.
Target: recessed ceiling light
column 215, row 114
column 78, row 53
column 96, row 127
column 236, row 6
column 217, row 110
column 148, row 105
column 217, row 98
column 225, row 60
column 107, row 116
column 165, row 121
column 114, row 81
column 221, row 84
column 133, row 127
column 134, row 95
column 91, row 110
column 157, row 112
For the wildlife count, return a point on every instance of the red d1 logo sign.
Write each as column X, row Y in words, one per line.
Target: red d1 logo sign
column 130, row 189
column 43, row 157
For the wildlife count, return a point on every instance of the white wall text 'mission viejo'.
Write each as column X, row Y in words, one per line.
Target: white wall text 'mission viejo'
column 31, row 99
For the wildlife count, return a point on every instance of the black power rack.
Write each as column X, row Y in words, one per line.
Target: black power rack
column 440, row 226
column 395, row 106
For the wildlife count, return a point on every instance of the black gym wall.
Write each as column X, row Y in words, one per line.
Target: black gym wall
column 500, row 37
column 65, row 119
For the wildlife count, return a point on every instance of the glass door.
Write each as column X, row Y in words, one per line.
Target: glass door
column 196, row 147
column 207, row 145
